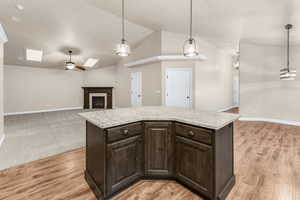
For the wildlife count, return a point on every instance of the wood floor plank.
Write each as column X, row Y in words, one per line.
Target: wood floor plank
column 267, row 167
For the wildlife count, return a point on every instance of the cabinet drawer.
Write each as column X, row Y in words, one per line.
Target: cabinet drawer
column 194, row 133
column 123, row 132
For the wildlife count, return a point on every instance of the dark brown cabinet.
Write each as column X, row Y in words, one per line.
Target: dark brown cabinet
column 124, row 163
column 158, row 149
column 194, row 164
column 199, row 158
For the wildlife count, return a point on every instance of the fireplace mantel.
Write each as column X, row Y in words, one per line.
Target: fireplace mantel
column 106, row 90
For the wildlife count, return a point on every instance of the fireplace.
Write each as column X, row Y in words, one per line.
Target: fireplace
column 98, row 100
column 97, row 97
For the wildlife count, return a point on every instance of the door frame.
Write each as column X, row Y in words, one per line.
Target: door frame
column 189, row 69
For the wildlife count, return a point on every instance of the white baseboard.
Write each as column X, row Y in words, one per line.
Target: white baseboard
column 2, row 139
column 42, row 111
column 293, row 123
column 228, row 108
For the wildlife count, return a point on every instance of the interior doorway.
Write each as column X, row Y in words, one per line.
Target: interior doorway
column 179, row 87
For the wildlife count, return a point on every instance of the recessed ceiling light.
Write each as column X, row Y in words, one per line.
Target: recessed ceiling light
column 91, row 62
column 15, row 19
column 34, row 55
column 20, row 7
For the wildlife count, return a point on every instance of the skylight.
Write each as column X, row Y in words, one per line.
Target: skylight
column 91, row 62
column 34, row 55
column 20, row 7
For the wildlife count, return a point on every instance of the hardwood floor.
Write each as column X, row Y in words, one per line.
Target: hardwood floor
column 233, row 110
column 267, row 167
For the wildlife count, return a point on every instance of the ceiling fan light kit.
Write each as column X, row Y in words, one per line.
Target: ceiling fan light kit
column 286, row 73
column 190, row 47
column 69, row 65
column 123, row 49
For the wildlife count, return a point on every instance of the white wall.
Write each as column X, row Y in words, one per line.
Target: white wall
column 214, row 81
column 151, row 84
column 213, row 78
column 1, row 94
column 151, row 73
column 3, row 39
column 28, row 89
column 263, row 94
column 105, row 76
column 33, row 89
column 102, row 77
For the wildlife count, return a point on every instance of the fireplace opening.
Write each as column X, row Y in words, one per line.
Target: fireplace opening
column 98, row 102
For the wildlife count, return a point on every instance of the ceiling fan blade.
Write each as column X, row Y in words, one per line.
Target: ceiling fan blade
column 80, row 68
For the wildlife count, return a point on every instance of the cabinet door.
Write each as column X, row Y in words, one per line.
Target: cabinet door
column 124, row 163
column 194, row 164
column 159, row 149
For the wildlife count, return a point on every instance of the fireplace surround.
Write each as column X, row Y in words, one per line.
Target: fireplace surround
column 98, row 94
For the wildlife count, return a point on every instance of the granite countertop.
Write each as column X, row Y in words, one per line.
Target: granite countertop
column 120, row 116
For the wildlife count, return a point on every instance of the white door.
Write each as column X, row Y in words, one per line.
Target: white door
column 136, row 88
column 179, row 87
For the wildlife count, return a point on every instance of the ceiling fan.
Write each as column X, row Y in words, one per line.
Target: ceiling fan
column 69, row 65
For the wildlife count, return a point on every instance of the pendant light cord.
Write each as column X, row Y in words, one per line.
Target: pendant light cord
column 191, row 19
column 288, row 49
column 123, row 22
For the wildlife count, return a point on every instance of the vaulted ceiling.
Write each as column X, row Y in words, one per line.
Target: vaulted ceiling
column 92, row 27
column 55, row 26
column 222, row 21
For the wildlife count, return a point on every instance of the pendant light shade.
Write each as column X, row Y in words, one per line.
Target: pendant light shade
column 190, row 47
column 123, row 49
column 286, row 73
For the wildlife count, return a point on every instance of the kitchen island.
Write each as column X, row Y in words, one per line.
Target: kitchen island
column 192, row 147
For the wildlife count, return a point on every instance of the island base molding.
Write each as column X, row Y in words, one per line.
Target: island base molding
column 198, row 158
column 99, row 195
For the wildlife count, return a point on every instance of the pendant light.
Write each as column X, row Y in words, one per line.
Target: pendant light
column 190, row 47
column 123, row 49
column 286, row 73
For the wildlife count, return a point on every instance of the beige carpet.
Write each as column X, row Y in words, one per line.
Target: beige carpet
column 33, row 136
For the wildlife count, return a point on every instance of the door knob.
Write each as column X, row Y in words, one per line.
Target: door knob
column 188, row 97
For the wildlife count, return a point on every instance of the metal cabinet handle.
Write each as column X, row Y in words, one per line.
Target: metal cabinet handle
column 125, row 132
column 191, row 133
